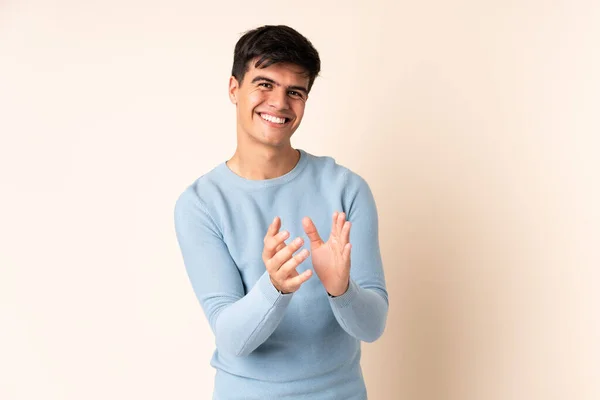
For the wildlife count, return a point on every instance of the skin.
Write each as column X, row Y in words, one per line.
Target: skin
column 264, row 151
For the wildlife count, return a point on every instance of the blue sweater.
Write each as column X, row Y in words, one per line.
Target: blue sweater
column 304, row 345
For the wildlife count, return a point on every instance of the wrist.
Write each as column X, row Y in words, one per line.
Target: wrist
column 276, row 287
column 339, row 293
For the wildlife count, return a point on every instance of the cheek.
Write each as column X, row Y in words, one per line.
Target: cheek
column 299, row 110
column 255, row 98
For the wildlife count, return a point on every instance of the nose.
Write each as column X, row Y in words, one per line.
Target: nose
column 278, row 99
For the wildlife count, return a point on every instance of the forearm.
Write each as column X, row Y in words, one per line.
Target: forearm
column 240, row 321
column 361, row 312
column 243, row 325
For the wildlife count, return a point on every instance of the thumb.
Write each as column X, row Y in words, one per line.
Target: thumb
column 311, row 232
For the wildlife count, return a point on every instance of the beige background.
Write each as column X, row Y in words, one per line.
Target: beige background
column 476, row 124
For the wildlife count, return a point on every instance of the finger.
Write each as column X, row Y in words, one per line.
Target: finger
column 280, row 246
column 340, row 222
column 347, row 251
column 285, row 254
column 334, row 224
column 345, row 236
column 271, row 245
column 290, row 265
column 311, row 231
column 273, row 228
column 277, row 240
column 299, row 279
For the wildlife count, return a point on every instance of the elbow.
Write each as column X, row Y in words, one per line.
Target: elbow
column 232, row 343
column 229, row 346
column 226, row 339
column 376, row 330
column 370, row 337
column 234, row 340
column 243, row 351
column 378, row 327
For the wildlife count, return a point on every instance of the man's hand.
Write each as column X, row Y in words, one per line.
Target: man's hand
column 280, row 260
column 331, row 259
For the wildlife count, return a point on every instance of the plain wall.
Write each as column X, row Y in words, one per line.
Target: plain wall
column 475, row 123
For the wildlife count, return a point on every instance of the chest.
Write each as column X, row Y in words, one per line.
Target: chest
column 248, row 216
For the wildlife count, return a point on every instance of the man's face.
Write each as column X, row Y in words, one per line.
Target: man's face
column 270, row 102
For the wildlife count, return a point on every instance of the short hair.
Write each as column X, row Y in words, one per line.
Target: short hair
column 273, row 44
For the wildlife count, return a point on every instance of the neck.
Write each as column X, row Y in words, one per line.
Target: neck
column 264, row 163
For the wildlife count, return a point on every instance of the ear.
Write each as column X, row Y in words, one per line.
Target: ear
column 233, row 89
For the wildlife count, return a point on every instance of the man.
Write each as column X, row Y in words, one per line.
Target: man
column 280, row 331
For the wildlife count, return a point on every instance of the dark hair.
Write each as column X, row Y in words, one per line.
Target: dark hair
column 274, row 44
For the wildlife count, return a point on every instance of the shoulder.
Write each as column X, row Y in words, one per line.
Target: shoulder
column 329, row 171
column 337, row 174
column 197, row 197
column 205, row 186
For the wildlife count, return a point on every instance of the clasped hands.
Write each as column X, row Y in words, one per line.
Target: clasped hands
column 330, row 259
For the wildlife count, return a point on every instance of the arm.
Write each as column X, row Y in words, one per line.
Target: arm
column 362, row 309
column 241, row 322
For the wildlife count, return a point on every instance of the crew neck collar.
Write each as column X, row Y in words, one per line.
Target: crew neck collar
column 231, row 177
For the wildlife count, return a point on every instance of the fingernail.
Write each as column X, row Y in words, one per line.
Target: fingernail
column 298, row 241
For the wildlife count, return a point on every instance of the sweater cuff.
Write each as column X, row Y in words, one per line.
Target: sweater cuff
column 269, row 291
column 347, row 298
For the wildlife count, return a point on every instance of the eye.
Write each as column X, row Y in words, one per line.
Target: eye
column 265, row 85
column 293, row 93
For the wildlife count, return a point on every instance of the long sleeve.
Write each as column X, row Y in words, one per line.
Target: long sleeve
column 241, row 322
column 362, row 310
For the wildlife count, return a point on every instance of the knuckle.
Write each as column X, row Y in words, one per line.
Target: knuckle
column 300, row 256
column 269, row 266
column 283, row 255
column 289, row 265
column 276, row 259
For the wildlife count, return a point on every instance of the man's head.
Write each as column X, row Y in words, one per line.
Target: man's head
column 274, row 68
column 273, row 44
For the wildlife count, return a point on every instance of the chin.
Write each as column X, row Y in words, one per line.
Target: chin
column 276, row 142
column 272, row 141
column 274, row 138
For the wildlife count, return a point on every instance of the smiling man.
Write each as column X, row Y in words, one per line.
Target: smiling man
column 280, row 331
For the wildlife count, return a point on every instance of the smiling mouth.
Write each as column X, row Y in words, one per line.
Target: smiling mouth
column 273, row 119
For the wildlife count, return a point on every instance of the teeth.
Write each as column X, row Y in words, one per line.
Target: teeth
column 271, row 118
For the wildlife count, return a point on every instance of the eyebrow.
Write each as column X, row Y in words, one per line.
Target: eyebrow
column 269, row 80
